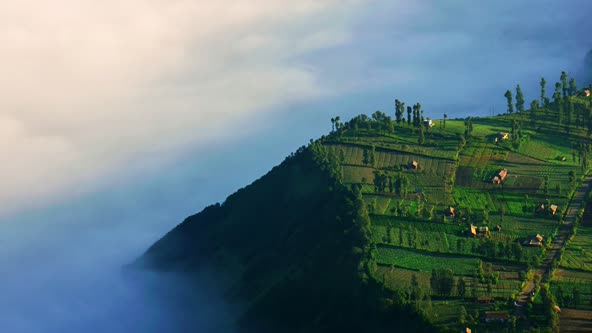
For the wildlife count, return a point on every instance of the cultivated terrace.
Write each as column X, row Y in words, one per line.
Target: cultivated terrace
column 474, row 221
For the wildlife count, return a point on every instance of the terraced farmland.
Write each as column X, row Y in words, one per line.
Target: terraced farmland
column 425, row 262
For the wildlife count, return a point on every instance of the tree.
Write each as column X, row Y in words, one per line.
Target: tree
column 517, row 251
column 543, row 84
column 519, row 99
column 572, row 179
column 398, row 111
column 442, row 281
column 576, row 296
column 421, row 138
column 533, row 108
column 570, row 110
column 564, row 83
column 546, row 185
column 332, row 124
column 560, row 111
column 462, row 287
column 573, row 88
column 468, row 127
column 414, row 286
column 508, row 96
column 445, row 117
column 401, row 183
column 390, row 184
column 408, row 114
column 516, row 134
column 557, row 93
column 462, row 316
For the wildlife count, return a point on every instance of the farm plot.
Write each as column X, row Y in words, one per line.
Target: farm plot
column 573, row 277
column 524, row 184
column 517, row 227
column 479, row 156
column 397, row 278
column 547, row 151
column 430, row 241
column 503, row 289
column 377, row 204
column 465, row 177
column 578, row 252
column 521, row 165
column 572, row 295
column 520, row 204
column 420, row 225
column 357, row 174
column 389, row 159
column 438, row 196
column 576, row 258
column 572, row 320
column 424, row 262
column 472, row 199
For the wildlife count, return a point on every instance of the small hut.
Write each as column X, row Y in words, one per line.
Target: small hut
column 449, row 212
column 500, row 176
column 414, row 165
column 536, row 241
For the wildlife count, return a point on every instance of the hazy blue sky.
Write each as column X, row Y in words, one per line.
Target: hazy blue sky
column 118, row 119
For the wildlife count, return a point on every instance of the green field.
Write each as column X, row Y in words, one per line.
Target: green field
column 424, row 262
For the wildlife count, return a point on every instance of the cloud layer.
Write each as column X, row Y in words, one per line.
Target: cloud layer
column 88, row 86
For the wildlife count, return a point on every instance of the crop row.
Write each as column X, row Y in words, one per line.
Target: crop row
column 425, row 262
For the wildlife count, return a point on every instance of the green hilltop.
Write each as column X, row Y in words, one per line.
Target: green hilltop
column 411, row 223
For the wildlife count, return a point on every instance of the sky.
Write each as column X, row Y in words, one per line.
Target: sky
column 119, row 119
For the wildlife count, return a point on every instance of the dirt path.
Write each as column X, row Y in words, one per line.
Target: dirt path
column 576, row 203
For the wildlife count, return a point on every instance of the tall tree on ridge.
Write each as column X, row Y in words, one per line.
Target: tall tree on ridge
column 533, row 108
column 543, row 84
column 445, row 116
column 508, row 96
column 398, row 111
column 564, row 83
column 557, row 93
column 421, row 138
column 519, row 99
column 573, row 88
column 408, row 114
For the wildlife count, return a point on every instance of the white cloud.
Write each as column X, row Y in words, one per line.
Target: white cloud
column 89, row 85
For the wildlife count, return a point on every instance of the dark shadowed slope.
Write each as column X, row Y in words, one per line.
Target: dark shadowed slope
column 292, row 248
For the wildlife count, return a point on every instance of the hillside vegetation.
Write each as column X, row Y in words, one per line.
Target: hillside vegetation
column 389, row 220
column 294, row 248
